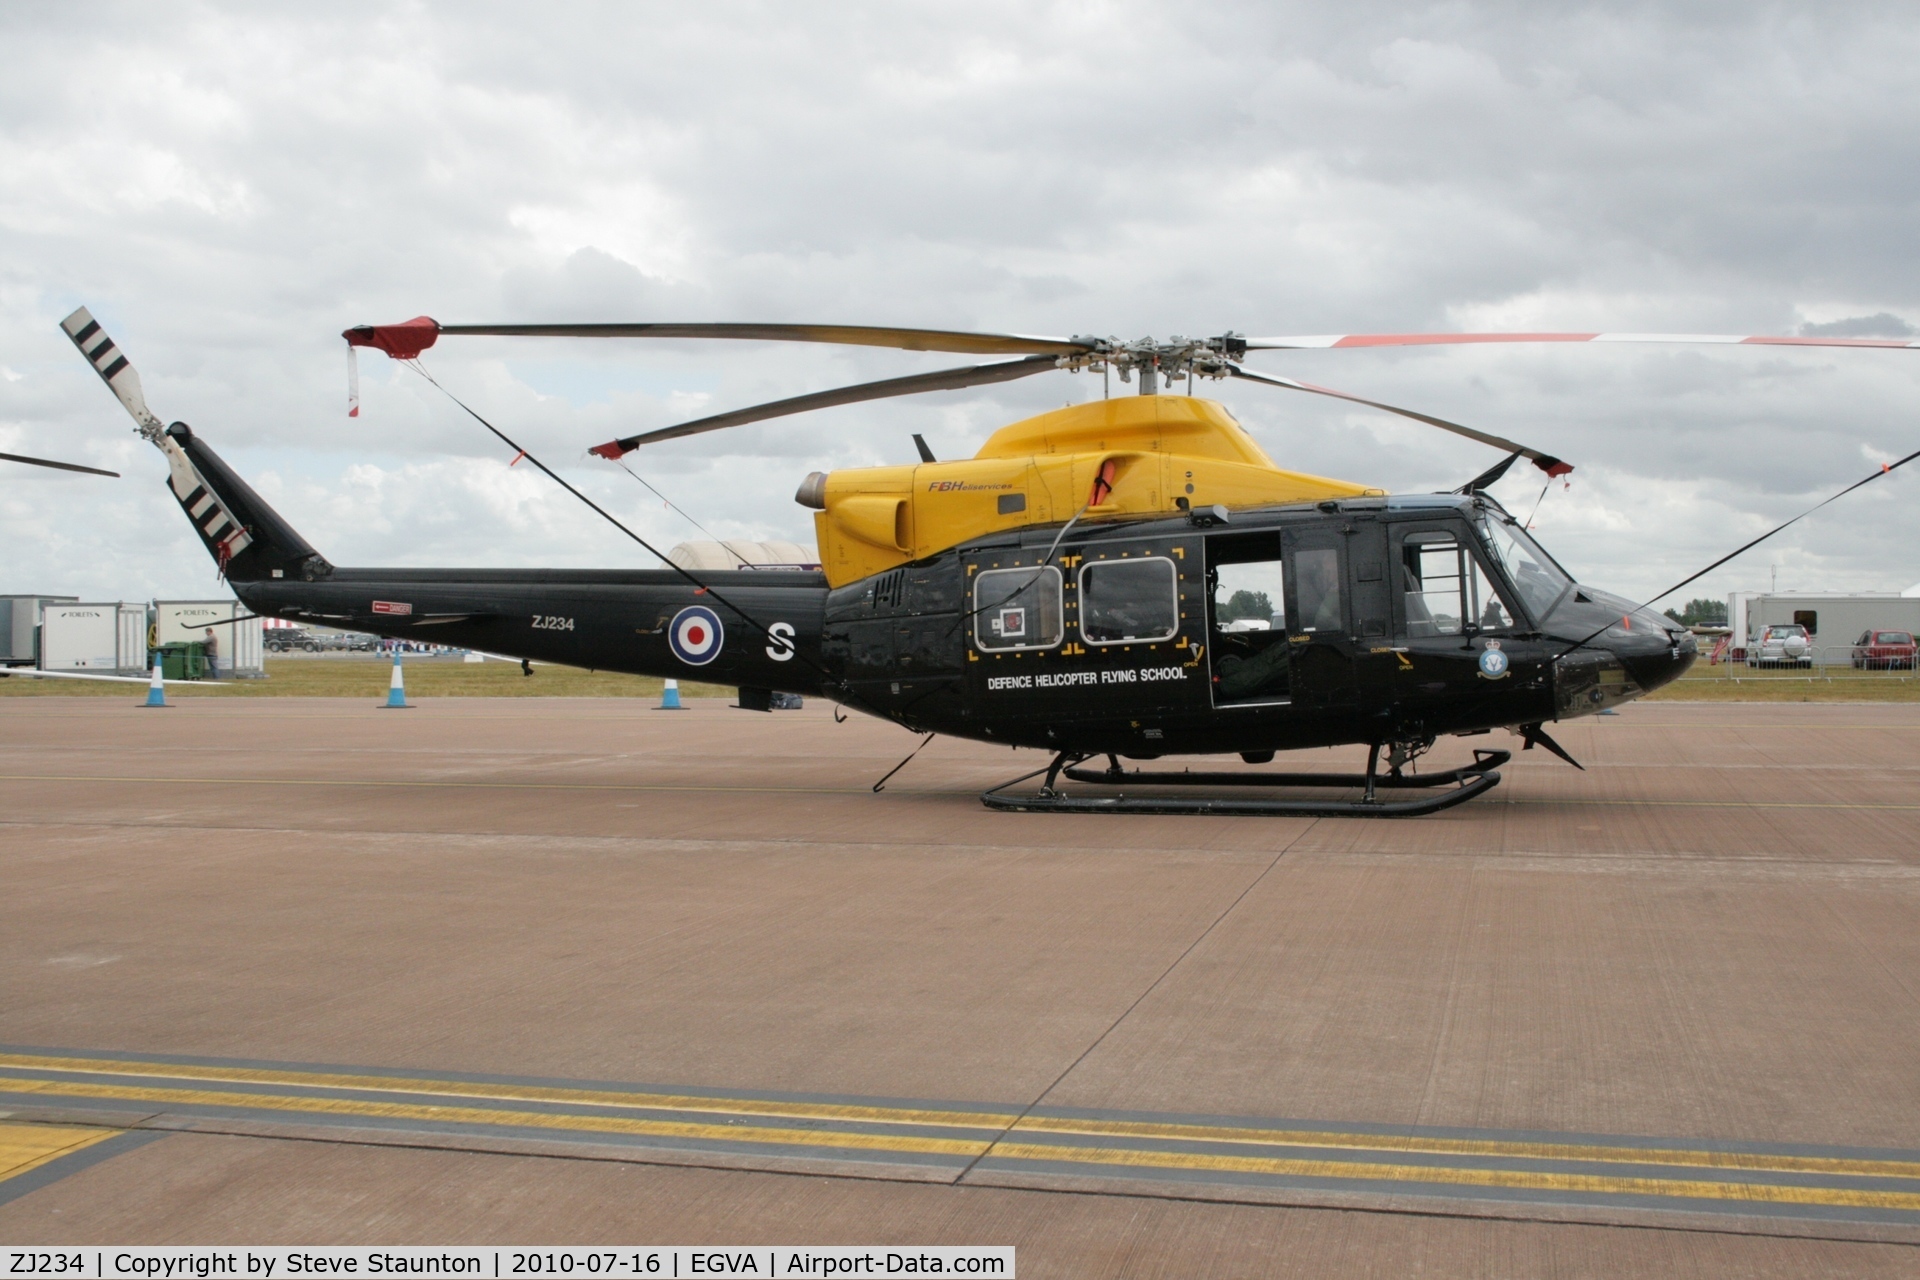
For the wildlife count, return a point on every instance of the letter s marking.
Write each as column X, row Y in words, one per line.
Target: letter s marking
column 781, row 633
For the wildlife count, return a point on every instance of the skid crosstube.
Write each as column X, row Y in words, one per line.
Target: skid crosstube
column 1465, row 783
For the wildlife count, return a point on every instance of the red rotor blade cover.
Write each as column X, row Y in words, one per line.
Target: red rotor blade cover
column 401, row 341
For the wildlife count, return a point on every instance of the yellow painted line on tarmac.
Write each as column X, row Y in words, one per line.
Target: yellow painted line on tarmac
column 25, row 1147
column 516, row 1119
column 1745, row 1160
column 1759, row 1193
column 118, row 1079
column 513, row 1092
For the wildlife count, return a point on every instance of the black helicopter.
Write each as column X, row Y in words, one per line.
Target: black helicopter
column 1132, row 577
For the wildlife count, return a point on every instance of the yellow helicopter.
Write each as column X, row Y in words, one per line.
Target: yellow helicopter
column 1131, row 577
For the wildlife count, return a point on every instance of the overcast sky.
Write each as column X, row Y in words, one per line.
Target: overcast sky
column 228, row 187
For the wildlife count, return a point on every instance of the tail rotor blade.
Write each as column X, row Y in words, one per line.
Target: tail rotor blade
column 112, row 367
column 1546, row 462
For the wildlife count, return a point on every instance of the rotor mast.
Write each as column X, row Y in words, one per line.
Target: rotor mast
column 1157, row 361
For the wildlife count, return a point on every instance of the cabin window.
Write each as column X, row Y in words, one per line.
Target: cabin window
column 1250, row 597
column 1017, row 609
column 1446, row 590
column 1129, row 601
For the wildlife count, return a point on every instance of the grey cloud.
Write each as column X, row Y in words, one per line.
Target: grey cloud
column 228, row 187
column 1882, row 325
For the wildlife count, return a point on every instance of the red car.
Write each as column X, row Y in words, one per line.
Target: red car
column 1885, row 649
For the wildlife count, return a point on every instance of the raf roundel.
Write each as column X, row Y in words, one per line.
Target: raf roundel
column 695, row 635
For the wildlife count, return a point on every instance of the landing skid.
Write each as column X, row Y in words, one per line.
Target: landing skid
column 1464, row 784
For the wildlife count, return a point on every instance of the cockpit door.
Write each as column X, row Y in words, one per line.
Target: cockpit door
column 1453, row 623
column 1319, row 632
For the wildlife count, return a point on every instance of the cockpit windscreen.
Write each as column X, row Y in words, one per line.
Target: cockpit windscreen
column 1539, row 580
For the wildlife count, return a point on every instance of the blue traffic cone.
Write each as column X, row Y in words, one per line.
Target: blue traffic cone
column 157, row 688
column 670, row 697
column 397, row 689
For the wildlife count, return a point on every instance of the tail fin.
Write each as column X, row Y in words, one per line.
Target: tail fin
column 247, row 538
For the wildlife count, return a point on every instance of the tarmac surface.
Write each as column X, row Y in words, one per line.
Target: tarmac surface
column 573, row 971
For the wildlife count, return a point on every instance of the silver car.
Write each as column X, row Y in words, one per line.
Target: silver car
column 1782, row 644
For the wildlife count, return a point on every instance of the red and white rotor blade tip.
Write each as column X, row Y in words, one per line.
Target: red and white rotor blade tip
column 1327, row 341
column 403, row 341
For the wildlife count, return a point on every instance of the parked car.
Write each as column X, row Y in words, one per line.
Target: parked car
column 290, row 640
column 1889, row 649
column 1779, row 645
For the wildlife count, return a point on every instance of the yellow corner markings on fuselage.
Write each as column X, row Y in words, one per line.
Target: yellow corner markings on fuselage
column 975, row 1134
column 25, row 1146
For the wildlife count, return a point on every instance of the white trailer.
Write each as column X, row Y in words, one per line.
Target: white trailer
column 1737, row 604
column 20, row 627
column 234, row 648
column 1834, row 620
column 107, row 637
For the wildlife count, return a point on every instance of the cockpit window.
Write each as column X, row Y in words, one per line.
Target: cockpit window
column 1445, row 591
column 1533, row 572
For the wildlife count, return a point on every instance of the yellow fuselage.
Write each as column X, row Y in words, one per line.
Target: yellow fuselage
column 1041, row 471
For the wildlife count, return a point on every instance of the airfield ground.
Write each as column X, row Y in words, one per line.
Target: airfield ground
column 573, row 970
column 366, row 676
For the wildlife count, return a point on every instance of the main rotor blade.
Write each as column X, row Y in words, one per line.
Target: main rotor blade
column 1325, row 341
column 946, row 380
column 60, row 466
column 1546, row 462
column 975, row 344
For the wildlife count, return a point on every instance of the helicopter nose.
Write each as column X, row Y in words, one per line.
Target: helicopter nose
column 1653, row 651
